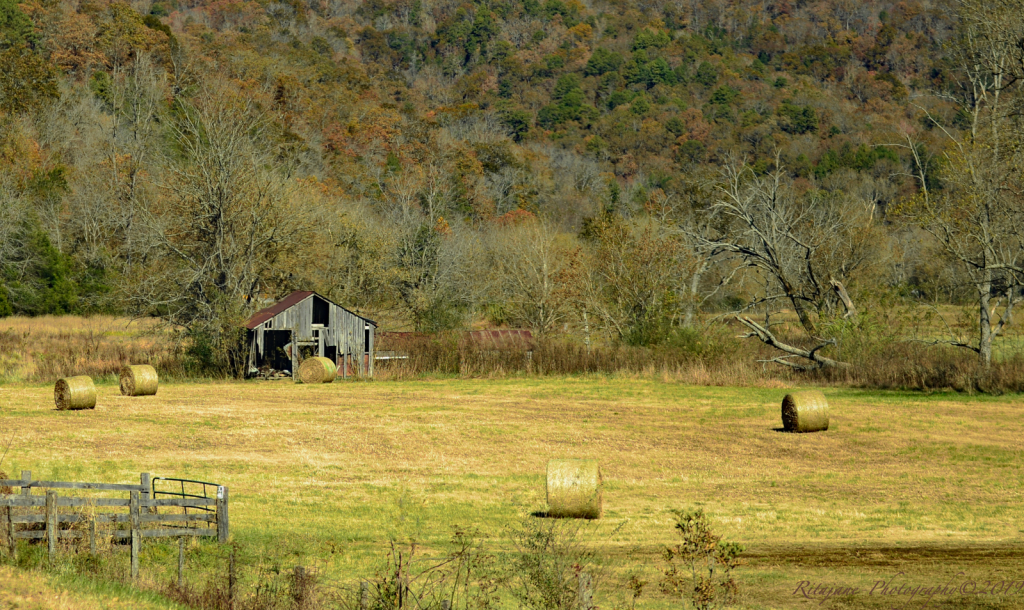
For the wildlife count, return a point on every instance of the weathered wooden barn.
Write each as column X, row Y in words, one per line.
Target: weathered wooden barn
column 305, row 324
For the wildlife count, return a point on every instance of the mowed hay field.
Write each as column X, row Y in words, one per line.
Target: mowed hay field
column 927, row 486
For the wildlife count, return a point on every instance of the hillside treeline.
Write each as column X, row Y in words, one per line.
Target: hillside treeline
column 619, row 172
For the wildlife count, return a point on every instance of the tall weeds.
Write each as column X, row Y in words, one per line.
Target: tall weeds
column 879, row 360
column 47, row 348
column 879, row 350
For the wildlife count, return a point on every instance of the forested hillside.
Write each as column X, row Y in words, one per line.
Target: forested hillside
column 611, row 169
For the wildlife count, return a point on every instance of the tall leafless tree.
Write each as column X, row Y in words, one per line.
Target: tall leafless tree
column 529, row 262
column 977, row 218
column 804, row 246
column 224, row 222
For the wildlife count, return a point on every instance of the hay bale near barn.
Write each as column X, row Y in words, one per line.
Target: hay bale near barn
column 805, row 412
column 138, row 380
column 575, row 489
column 317, row 370
column 74, row 393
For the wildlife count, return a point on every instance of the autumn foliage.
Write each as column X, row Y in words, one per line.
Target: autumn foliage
column 417, row 161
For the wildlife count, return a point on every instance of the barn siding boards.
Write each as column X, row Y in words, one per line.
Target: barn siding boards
column 370, row 352
column 343, row 330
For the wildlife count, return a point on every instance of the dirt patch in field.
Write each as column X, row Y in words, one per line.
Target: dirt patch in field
column 881, row 556
column 974, row 576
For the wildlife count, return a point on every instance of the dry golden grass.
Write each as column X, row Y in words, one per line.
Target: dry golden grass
column 47, row 348
column 326, row 474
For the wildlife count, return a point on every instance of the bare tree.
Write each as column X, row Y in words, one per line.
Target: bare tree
column 978, row 216
column 433, row 273
column 224, row 222
column 352, row 263
column 625, row 279
column 700, row 267
column 530, row 261
column 130, row 144
column 804, row 246
column 13, row 211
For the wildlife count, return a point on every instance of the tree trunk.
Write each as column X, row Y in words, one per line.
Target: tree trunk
column 691, row 302
column 798, row 307
column 840, row 290
column 985, row 321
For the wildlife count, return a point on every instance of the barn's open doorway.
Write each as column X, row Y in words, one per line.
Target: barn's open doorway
column 275, row 349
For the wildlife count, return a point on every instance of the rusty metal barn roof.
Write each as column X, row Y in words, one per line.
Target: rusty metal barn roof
column 502, row 339
column 291, row 300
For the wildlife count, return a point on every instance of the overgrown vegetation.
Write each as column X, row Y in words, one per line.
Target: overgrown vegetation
column 890, row 351
column 547, row 568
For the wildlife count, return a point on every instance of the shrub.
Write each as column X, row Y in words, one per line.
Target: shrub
column 700, row 566
column 544, row 572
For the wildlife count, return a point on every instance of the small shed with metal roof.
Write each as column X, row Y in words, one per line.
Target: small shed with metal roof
column 305, row 324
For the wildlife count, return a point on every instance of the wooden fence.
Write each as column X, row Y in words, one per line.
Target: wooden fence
column 22, row 514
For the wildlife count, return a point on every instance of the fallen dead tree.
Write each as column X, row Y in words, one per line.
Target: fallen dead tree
column 813, row 356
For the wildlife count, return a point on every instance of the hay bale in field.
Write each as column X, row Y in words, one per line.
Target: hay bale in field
column 317, row 370
column 138, row 380
column 805, row 412
column 74, row 393
column 575, row 489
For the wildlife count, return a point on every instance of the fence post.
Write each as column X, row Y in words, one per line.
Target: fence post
column 222, row 514
column 371, row 356
column 231, row 581
column 295, row 355
column 7, row 529
column 136, row 524
column 364, row 595
column 92, row 536
column 446, row 604
column 181, row 562
column 51, row 524
column 26, row 478
column 146, row 486
column 7, row 525
column 585, row 596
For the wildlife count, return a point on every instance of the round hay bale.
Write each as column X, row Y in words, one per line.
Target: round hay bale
column 805, row 412
column 138, row 380
column 317, row 370
column 575, row 489
column 74, row 393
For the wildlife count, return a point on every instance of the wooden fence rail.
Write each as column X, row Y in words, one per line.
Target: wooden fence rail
column 26, row 501
column 144, row 518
